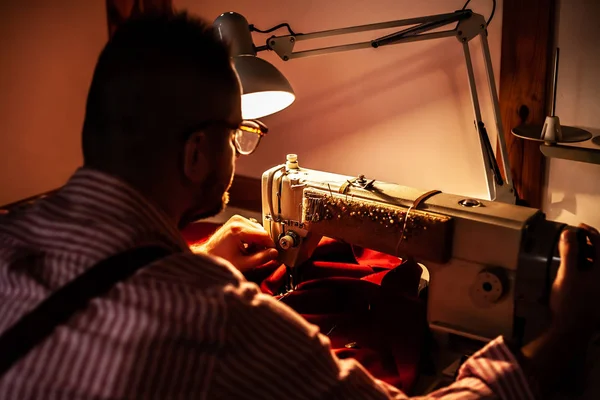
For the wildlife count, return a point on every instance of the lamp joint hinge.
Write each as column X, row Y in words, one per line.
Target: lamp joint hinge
column 469, row 28
column 283, row 46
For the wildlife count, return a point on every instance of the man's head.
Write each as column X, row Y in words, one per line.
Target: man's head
column 160, row 111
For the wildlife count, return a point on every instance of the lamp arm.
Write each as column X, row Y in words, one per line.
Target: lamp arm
column 281, row 48
column 284, row 45
column 499, row 188
column 436, row 22
column 469, row 25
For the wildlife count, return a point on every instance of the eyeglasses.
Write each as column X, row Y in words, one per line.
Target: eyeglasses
column 245, row 136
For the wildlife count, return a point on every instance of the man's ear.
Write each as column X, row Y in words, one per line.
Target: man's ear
column 195, row 162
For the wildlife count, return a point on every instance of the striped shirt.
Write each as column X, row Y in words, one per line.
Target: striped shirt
column 186, row 326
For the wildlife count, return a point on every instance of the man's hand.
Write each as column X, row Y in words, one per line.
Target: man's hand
column 576, row 290
column 243, row 243
column 559, row 352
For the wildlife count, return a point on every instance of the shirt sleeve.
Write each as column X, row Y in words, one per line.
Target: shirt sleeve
column 271, row 352
column 491, row 373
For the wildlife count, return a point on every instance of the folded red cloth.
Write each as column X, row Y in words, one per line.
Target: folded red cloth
column 366, row 302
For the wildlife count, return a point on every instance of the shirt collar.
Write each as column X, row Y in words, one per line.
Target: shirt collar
column 119, row 201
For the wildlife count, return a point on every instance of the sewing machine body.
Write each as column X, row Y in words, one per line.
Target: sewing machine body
column 489, row 262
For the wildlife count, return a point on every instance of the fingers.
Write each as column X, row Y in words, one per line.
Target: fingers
column 579, row 249
column 249, row 232
column 592, row 250
column 588, row 228
column 245, row 221
column 256, row 237
column 568, row 249
column 257, row 259
column 253, row 220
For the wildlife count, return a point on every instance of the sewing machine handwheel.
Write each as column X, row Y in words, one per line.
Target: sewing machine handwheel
column 489, row 287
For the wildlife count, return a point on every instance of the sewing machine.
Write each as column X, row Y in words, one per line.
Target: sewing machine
column 490, row 264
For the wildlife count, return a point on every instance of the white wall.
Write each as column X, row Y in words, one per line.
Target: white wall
column 399, row 113
column 47, row 54
column 573, row 190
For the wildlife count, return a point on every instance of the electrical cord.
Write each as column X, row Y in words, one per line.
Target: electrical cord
column 267, row 46
column 492, row 13
column 285, row 24
column 289, row 28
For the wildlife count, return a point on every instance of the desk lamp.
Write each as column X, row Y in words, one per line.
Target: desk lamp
column 266, row 90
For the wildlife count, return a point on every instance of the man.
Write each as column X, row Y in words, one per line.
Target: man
column 159, row 144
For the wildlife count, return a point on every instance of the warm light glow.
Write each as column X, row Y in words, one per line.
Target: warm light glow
column 259, row 104
column 250, row 129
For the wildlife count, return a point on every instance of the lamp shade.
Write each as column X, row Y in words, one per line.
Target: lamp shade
column 264, row 89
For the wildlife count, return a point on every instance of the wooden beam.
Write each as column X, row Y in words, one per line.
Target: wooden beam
column 527, row 42
column 118, row 11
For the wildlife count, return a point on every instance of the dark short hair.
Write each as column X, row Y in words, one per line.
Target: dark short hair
column 132, row 83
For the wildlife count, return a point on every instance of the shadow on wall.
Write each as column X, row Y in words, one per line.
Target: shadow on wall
column 356, row 91
column 564, row 201
column 359, row 113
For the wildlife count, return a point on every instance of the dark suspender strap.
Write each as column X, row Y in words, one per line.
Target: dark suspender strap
column 38, row 324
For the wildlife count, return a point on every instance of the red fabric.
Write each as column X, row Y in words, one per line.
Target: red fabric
column 355, row 296
column 199, row 232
